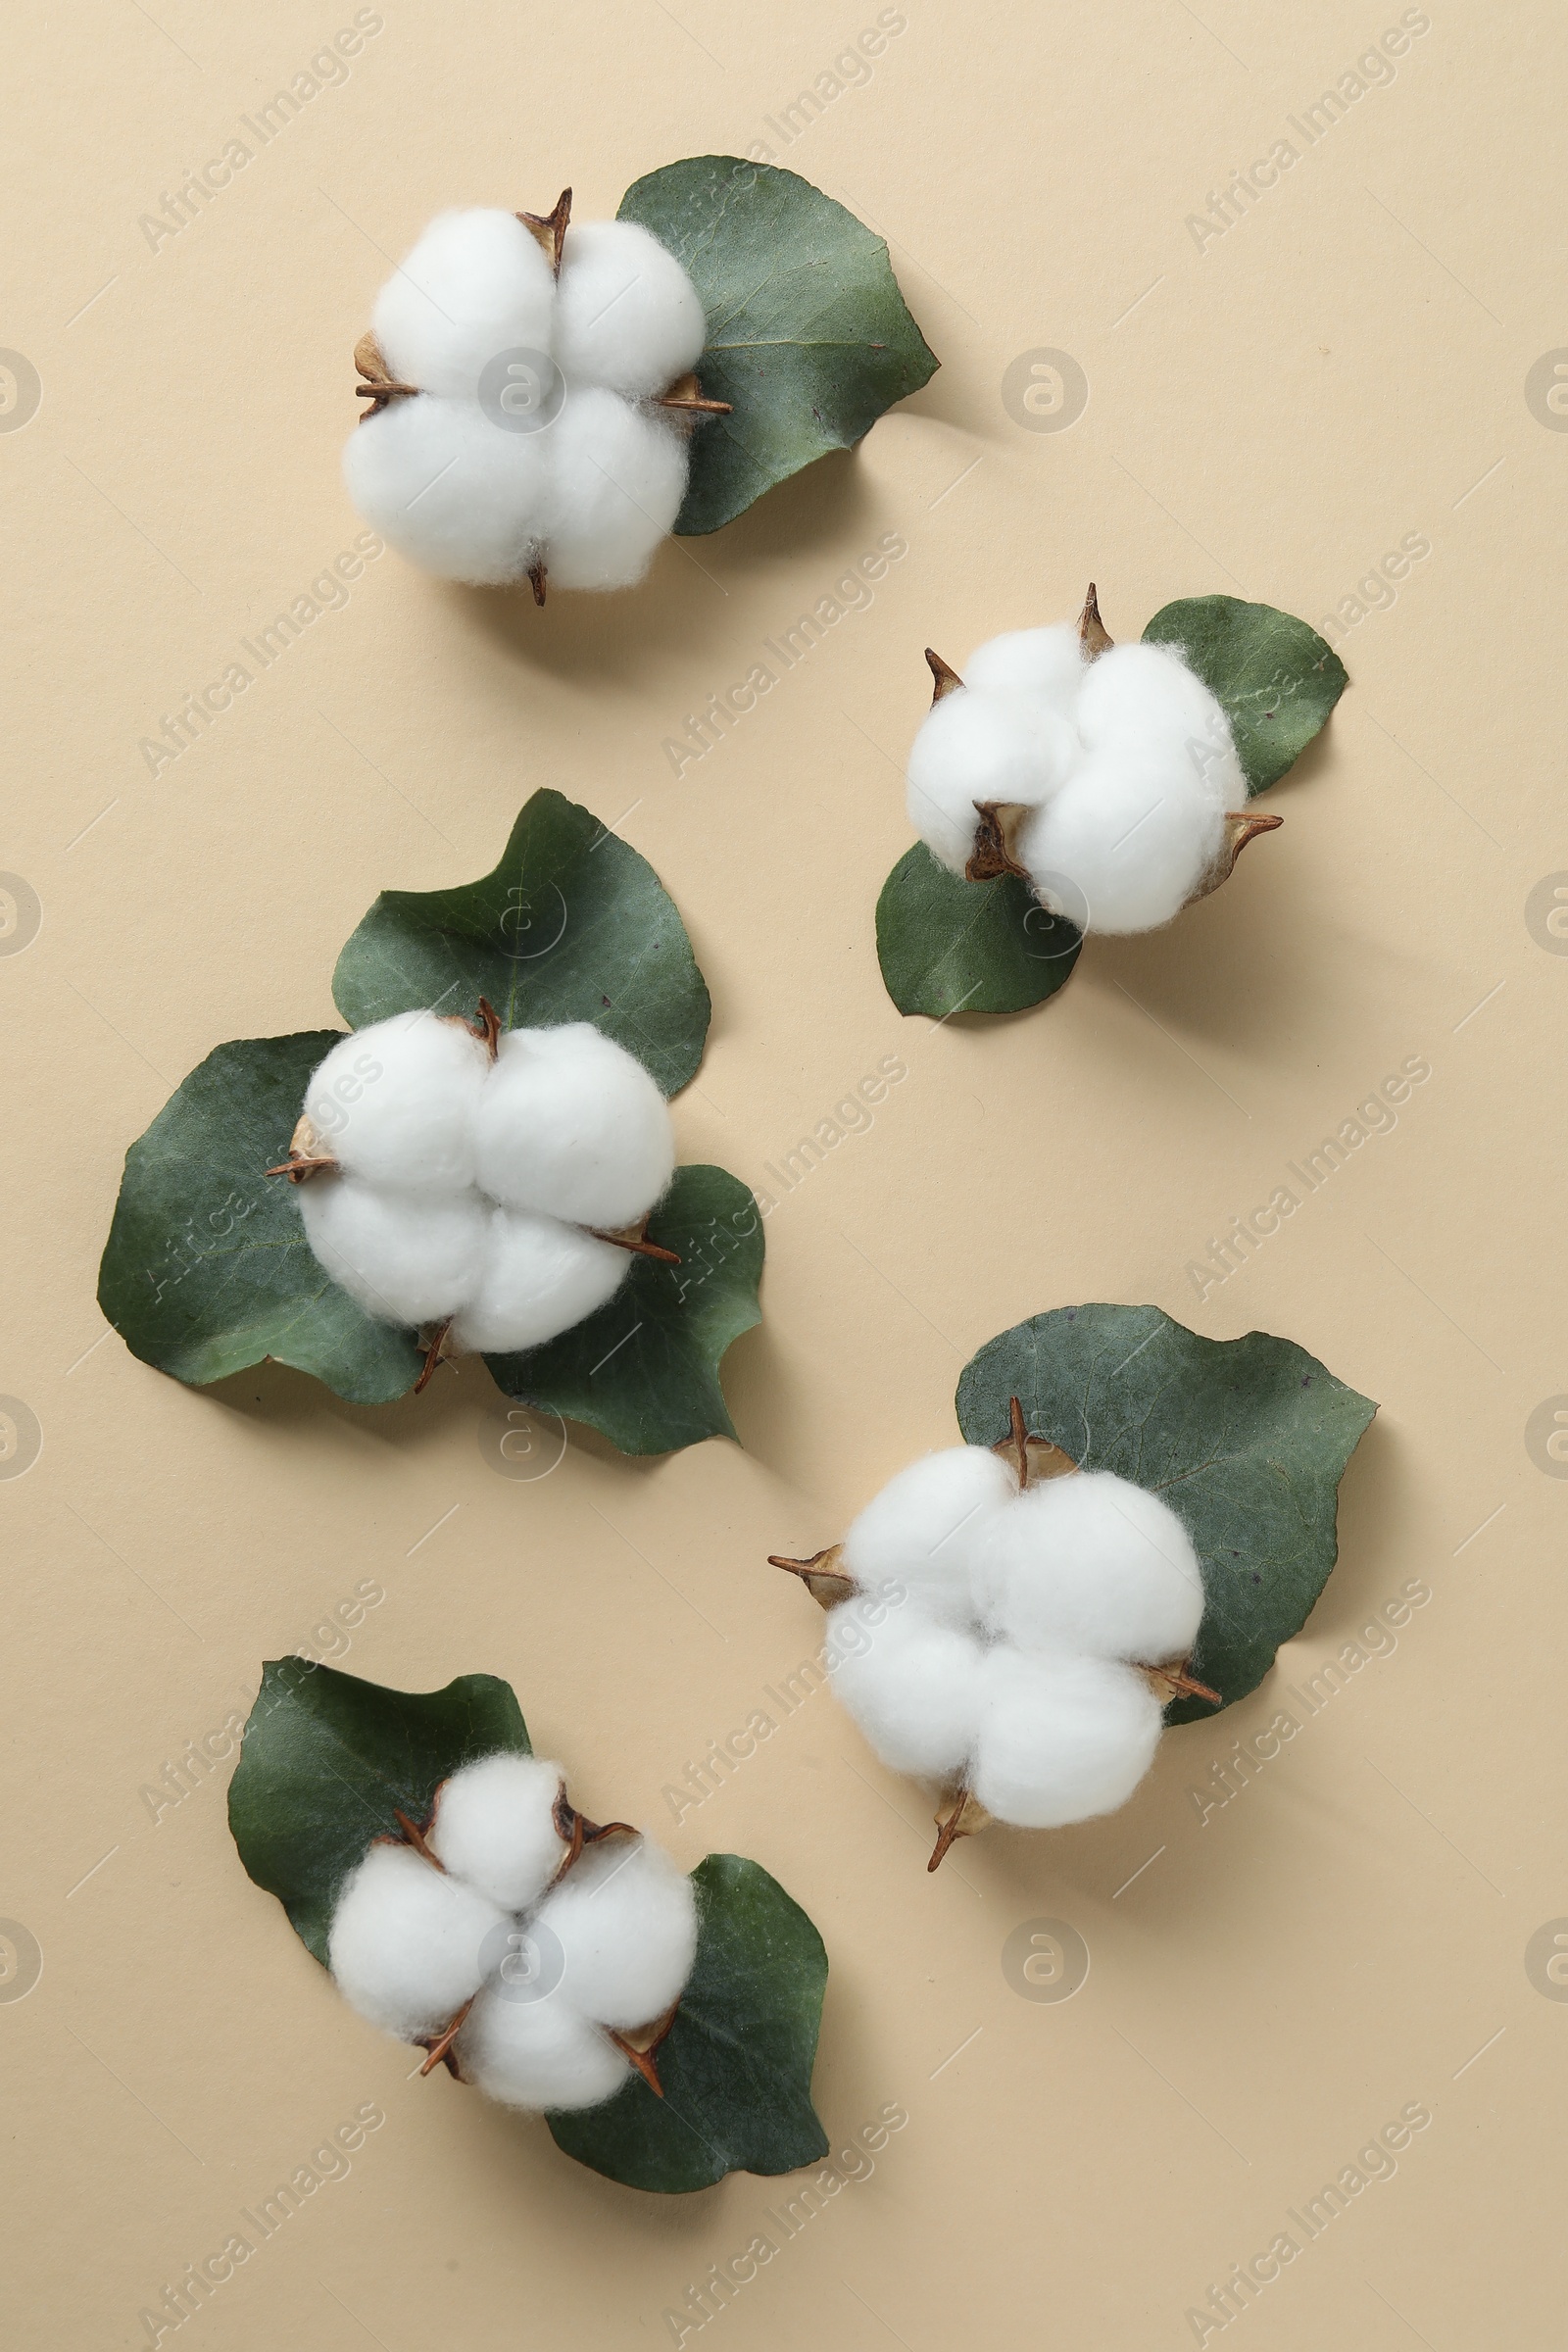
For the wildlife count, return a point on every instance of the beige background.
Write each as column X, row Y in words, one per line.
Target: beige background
column 1269, row 413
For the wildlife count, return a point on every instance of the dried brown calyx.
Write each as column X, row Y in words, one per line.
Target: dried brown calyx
column 577, row 1834
column 1240, row 827
column 549, row 229
column 379, row 385
column 305, row 1156
column 1033, row 1460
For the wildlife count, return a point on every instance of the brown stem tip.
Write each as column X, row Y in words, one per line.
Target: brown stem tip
column 305, row 1154
column 549, row 229
column 1240, row 827
column 966, row 1816
column 1032, row 1458
column 1174, row 1681
column 536, row 580
column 821, row 1575
column 687, row 393
column 635, row 1238
column 413, row 1836
column 433, row 1357
column 1093, row 634
column 380, row 386
column 946, row 677
column 440, row 2047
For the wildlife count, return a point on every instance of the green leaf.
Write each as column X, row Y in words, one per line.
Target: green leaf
column 1276, row 678
column 644, row 1369
column 809, row 338
column 328, row 1762
column 1245, row 1439
column 207, row 1270
column 736, row 2065
column 572, row 925
column 950, row 946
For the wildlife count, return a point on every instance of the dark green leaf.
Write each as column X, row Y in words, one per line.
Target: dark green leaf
column 328, row 1764
column 572, row 925
column 1276, row 678
column 809, row 338
column 206, row 1269
column 1245, row 1439
column 645, row 1368
column 950, row 946
column 736, row 2066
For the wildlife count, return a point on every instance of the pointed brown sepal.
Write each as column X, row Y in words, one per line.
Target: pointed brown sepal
column 439, row 2046
column 1032, row 1458
column 433, row 1357
column 413, row 1836
column 305, row 1154
column 642, row 2060
column 486, row 1026
column 687, row 393
column 1240, row 827
column 946, row 679
column 821, row 1575
column 536, row 580
column 635, row 1238
column 963, row 1818
column 575, row 1830
column 549, row 231
column 1093, row 634
column 380, row 385
column 992, row 855
column 1174, row 1681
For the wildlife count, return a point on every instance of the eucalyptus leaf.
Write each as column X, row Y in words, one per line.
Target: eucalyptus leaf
column 1245, row 1439
column 207, row 1270
column 809, row 338
column 327, row 1763
column 736, row 2066
column 1275, row 677
column 950, row 946
column 572, row 925
column 644, row 1369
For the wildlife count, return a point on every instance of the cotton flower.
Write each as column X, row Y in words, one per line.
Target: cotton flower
column 1105, row 776
column 532, row 400
column 494, row 1183
column 1011, row 1628
column 532, row 1951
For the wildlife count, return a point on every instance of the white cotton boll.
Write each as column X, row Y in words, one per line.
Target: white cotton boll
column 495, row 1827
column 924, row 1530
column 405, row 1941
column 980, row 747
column 453, row 492
column 572, row 1125
column 1090, row 1563
column 912, row 1686
column 1146, row 694
column 476, row 283
column 407, row 1257
column 617, row 477
column 1124, row 845
column 537, row 2053
column 624, row 1922
column 1047, row 663
column 536, row 1278
column 1061, row 1738
column 396, row 1102
column 627, row 315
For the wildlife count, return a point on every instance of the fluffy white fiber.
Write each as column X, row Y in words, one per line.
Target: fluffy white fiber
column 1006, row 1654
column 473, row 1190
column 1126, row 765
column 551, row 1956
column 597, row 480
